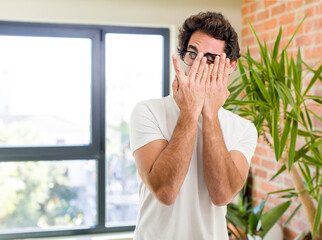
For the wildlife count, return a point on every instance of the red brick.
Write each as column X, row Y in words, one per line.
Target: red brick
column 262, row 15
column 318, row 24
column 263, row 37
column 309, row 25
column 270, row 24
column 245, row 10
column 288, row 183
column 248, row 1
column 304, row 40
column 251, row 18
column 254, row 51
column 299, row 224
column 268, row 187
column 285, row 19
column 318, row 9
column 246, row 31
column 278, row 9
column 310, row 12
column 276, row 201
column 253, row 7
column 290, row 30
column 248, row 41
column 259, row 195
column 256, row 161
column 279, row 179
column 261, row 151
column 269, row 2
column 260, row 173
column 258, row 27
column 293, row 4
column 268, row 164
column 318, row 38
column 313, row 53
column 283, row 44
column 271, row 154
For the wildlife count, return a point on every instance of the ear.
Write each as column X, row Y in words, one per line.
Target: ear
column 233, row 66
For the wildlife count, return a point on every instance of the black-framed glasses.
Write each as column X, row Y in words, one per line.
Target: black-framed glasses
column 189, row 57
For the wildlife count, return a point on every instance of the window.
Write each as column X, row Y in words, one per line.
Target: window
column 66, row 93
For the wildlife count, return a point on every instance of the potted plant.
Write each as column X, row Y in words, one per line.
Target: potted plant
column 272, row 95
column 247, row 222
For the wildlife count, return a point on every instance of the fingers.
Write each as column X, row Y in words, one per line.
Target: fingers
column 221, row 68
column 214, row 74
column 195, row 66
column 208, row 78
column 201, row 70
column 175, row 85
column 177, row 67
column 226, row 73
column 204, row 75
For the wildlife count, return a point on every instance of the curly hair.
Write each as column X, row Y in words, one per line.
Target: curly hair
column 214, row 24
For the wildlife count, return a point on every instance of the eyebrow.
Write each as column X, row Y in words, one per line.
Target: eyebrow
column 196, row 49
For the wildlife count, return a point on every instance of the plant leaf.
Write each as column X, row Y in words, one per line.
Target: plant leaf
column 282, row 169
column 313, row 80
column 317, row 219
column 270, row 217
column 292, row 215
column 276, row 139
column 292, row 145
column 285, row 134
column 277, row 44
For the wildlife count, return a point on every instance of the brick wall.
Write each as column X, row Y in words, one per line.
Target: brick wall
column 267, row 17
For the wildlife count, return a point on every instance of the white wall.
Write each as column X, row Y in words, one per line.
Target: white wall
column 152, row 13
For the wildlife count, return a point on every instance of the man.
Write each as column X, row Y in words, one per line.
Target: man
column 191, row 154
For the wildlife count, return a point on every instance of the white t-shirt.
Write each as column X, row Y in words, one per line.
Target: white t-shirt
column 193, row 216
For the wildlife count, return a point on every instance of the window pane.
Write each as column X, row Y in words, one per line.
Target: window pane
column 134, row 72
column 47, row 194
column 45, row 85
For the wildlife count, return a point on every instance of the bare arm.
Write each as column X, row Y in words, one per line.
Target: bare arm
column 225, row 172
column 163, row 166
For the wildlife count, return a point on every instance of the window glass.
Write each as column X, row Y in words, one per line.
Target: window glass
column 134, row 72
column 40, row 195
column 45, row 88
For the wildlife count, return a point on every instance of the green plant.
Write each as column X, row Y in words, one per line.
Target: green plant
column 245, row 220
column 272, row 95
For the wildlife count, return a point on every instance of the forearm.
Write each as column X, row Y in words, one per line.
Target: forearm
column 222, row 177
column 168, row 172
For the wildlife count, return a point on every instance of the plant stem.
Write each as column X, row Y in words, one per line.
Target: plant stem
column 305, row 198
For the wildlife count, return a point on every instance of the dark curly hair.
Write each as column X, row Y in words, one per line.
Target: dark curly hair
column 214, row 24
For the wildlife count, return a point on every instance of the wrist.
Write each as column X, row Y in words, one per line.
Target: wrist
column 211, row 116
column 192, row 115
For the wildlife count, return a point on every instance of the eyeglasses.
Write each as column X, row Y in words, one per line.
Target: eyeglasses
column 189, row 57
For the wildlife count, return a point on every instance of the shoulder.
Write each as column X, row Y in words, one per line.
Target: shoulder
column 238, row 127
column 235, row 120
column 151, row 105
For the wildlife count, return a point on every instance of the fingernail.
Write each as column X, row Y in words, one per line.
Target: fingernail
column 200, row 55
column 174, row 56
column 227, row 60
column 204, row 59
column 223, row 55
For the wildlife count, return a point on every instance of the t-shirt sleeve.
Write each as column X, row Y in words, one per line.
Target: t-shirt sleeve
column 246, row 142
column 144, row 127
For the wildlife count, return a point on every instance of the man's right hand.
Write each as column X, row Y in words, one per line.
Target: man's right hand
column 189, row 91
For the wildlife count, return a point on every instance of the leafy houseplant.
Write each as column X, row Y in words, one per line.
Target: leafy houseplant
column 272, row 95
column 247, row 222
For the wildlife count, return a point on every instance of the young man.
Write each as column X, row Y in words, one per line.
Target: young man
column 191, row 154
